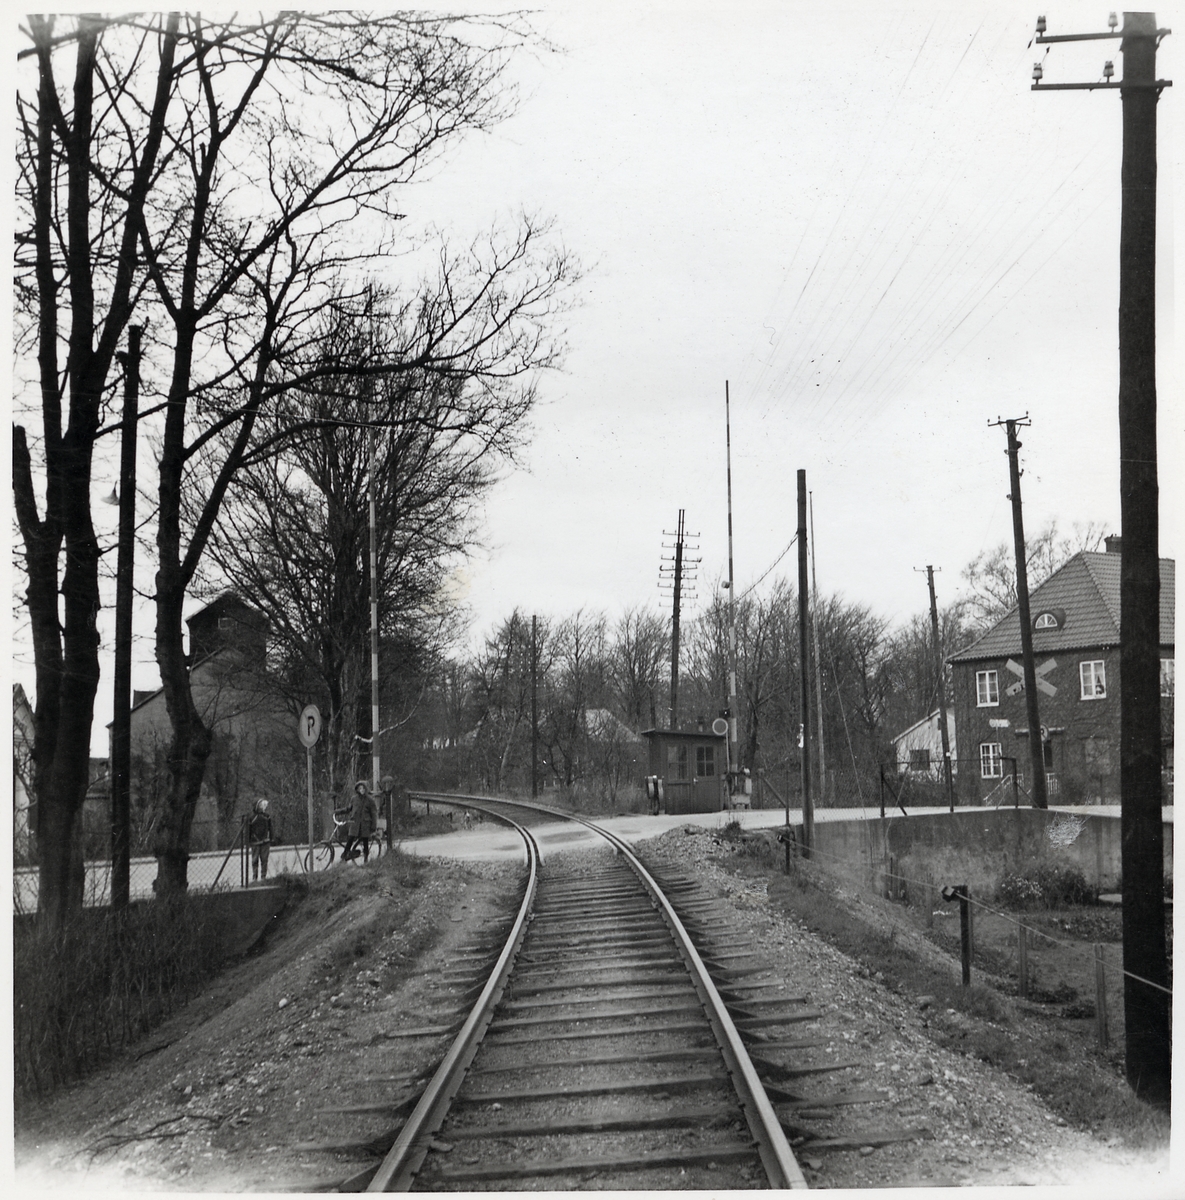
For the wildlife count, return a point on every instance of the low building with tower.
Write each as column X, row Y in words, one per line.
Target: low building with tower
column 255, row 751
column 1075, row 618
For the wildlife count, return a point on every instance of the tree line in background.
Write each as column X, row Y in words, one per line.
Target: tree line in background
column 598, row 682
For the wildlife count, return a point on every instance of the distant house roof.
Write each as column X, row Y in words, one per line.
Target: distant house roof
column 602, row 724
column 918, row 724
column 698, row 735
column 1083, row 598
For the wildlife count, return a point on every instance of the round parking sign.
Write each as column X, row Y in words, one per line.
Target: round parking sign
column 308, row 725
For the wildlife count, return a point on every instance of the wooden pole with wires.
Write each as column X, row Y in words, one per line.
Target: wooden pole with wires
column 734, row 766
column 804, row 673
column 1146, row 998
column 822, row 767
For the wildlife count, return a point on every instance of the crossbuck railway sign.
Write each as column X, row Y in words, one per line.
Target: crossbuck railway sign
column 1043, row 684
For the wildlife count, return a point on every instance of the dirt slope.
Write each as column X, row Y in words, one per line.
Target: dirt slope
column 289, row 1047
column 216, row 1097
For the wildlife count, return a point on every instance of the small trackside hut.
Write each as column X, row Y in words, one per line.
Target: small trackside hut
column 690, row 768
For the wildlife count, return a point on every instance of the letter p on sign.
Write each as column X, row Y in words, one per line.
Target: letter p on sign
column 308, row 725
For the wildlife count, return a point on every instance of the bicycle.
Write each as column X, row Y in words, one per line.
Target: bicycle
column 320, row 855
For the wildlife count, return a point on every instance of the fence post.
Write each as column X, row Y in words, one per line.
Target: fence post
column 1015, row 787
column 882, row 792
column 928, row 896
column 960, row 893
column 970, row 923
column 1100, row 997
column 1022, row 959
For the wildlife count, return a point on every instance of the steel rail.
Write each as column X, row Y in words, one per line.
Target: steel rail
column 403, row 1160
column 777, row 1157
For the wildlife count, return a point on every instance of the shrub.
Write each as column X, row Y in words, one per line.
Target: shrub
column 84, row 992
column 1046, row 885
column 1019, row 892
column 1063, row 885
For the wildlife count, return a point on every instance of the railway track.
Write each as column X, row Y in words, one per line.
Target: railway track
column 601, row 1050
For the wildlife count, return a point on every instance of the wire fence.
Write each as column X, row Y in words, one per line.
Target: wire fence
column 904, row 785
column 239, row 865
column 1033, row 953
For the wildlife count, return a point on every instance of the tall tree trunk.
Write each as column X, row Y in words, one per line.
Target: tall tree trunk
column 188, row 750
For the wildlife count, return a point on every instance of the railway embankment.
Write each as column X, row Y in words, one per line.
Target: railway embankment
column 1011, row 1091
column 289, row 1071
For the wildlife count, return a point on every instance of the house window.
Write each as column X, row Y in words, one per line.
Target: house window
column 676, row 762
column 1045, row 621
column 987, row 689
column 1094, row 679
column 705, row 760
column 991, row 764
column 1097, row 756
column 919, row 758
column 1167, row 676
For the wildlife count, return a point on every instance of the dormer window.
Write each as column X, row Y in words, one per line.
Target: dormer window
column 1050, row 618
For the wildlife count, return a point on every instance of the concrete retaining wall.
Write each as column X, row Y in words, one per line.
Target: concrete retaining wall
column 976, row 848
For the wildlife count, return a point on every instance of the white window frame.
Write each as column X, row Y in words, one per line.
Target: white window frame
column 991, row 760
column 1087, row 672
column 1046, row 621
column 987, row 683
column 1168, row 677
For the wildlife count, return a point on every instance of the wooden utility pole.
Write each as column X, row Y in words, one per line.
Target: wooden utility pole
column 121, row 721
column 1146, row 998
column 822, row 765
column 1036, row 746
column 734, row 764
column 804, row 675
column 941, row 684
column 534, row 706
column 672, row 575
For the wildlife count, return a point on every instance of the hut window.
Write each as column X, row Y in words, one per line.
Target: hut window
column 705, row 760
column 676, row 762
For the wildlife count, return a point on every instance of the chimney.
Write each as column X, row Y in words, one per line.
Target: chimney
column 1114, row 544
column 701, row 723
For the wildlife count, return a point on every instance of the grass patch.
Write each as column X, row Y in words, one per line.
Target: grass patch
column 1059, row 1062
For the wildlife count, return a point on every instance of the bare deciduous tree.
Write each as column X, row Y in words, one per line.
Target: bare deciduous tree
column 221, row 179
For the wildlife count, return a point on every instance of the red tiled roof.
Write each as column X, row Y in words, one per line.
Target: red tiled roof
column 1087, row 590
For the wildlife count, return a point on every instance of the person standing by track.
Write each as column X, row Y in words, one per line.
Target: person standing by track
column 261, row 835
column 364, row 822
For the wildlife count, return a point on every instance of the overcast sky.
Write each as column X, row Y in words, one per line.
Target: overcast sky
column 863, row 219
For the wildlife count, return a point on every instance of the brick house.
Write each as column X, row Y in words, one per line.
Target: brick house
column 1075, row 615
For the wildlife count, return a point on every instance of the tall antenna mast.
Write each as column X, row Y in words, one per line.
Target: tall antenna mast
column 733, row 764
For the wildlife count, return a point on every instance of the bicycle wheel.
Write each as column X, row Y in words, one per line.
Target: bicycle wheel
column 319, row 858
